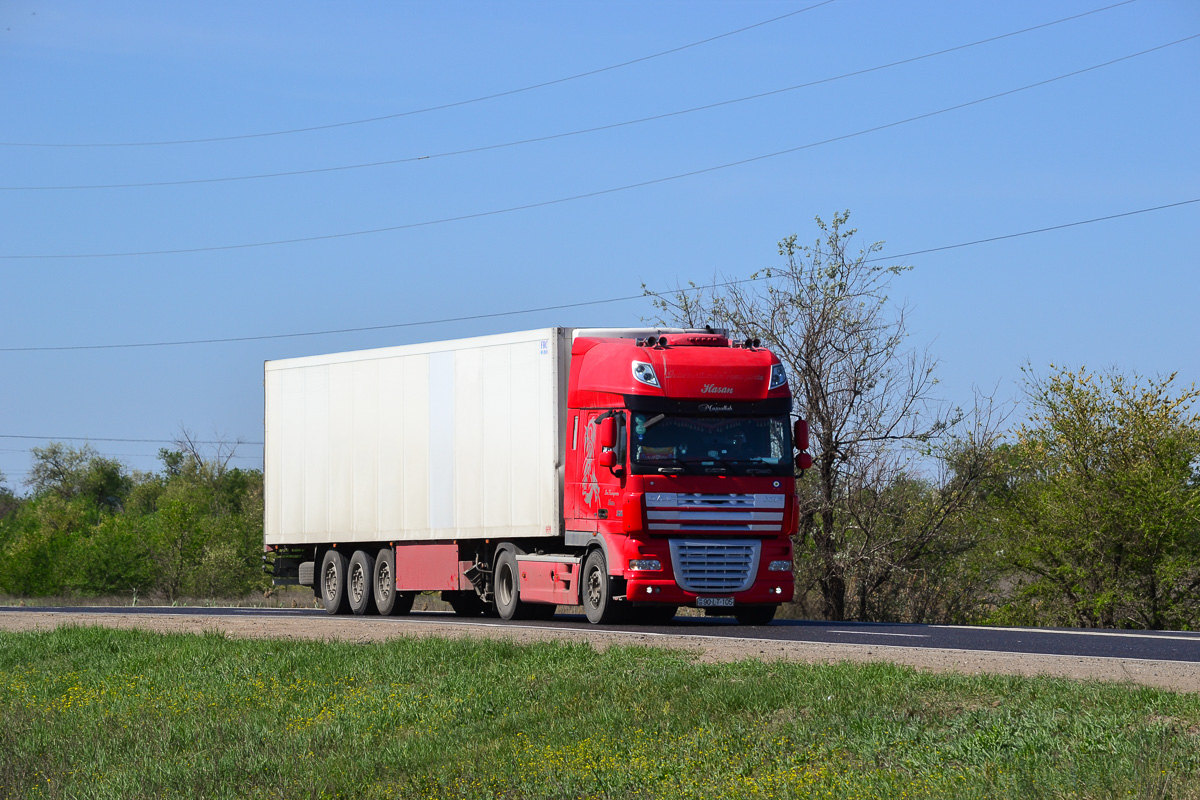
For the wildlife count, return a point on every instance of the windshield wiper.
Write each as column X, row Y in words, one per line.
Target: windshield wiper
column 676, row 466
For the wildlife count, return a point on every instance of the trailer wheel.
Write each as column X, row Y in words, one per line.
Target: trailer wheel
column 754, row 615
column 360, row 574
column 598, row 602
column 333, row 583
column 388, row 601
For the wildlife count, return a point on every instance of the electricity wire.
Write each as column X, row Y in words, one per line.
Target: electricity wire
column 587, row 195
column 561, row 306
column 427, row 109
column 115, row 455
column 102, row 439
column 552, row 137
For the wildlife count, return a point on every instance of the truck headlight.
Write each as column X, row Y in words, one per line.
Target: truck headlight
column 778, row 376
column 645, row 564
column 780, row 566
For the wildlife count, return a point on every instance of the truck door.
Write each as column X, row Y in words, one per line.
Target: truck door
column 612, row 484
column 585, row 491
column 598, row 494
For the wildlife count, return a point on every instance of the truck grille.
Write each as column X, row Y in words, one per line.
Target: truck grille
column 720, row 566
column 714, row 513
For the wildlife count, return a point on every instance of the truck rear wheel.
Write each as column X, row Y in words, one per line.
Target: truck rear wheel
column 754, row 615
column 507, row 589
column 388, row 601
column 360, row 576
column 598, row 602
column 333, row 583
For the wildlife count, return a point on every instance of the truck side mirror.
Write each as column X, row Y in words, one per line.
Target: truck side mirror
column 608, row 434
column 800, row 435
column 610, row 455
column 803, row 461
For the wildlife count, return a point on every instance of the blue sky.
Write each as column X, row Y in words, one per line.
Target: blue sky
column 1120, row 138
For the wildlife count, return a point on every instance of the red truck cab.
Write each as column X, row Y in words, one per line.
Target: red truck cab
column 680, row 466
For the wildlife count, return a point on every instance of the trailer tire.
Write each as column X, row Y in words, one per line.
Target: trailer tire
column 360, row 575
column 388, row 601
column 332, row 586
column 754, row 615
column 596, row 592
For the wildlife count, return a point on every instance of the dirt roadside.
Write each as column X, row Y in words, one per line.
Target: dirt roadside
column 1175, row 676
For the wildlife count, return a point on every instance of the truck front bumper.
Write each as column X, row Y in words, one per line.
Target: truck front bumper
column 773, row 588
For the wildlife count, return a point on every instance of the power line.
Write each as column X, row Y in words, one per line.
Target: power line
column 102, row 439
column 596, row 193
column 428, row 109
column 563, row 135
column 118, row 455
column 625, row 298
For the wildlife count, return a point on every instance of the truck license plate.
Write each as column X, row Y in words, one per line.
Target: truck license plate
column 713, row 602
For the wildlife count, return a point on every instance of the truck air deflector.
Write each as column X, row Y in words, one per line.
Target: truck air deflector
column 774, row 406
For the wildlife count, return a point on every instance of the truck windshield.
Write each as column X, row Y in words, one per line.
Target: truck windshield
column 663, row 443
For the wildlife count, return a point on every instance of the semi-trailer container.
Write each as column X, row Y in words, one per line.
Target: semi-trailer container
column 630, row 471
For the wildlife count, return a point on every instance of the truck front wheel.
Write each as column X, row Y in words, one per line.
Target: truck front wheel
column 598, row 602
column 333, row 583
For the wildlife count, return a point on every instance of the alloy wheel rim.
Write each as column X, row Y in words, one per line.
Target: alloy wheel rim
column 331, row 587
column 593, row 584
column 384, row 589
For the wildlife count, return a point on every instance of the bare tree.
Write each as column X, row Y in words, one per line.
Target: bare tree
column 867, row 396
column 210, row 460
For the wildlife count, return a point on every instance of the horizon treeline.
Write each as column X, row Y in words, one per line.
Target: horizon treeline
column 90, row 526
column 1085, row 513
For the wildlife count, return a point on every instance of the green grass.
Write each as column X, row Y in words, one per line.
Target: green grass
column 90, row 712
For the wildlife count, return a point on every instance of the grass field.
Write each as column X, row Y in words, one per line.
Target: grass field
column 89, row 712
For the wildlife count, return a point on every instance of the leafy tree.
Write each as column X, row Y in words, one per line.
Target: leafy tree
column 868, row 398
column 1102, row 518
column 71, row 472
column 9, row 502
column 206, row 529
column 115, row 557
column 93, row 527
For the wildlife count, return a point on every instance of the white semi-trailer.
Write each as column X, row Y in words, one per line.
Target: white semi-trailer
column 617, row 469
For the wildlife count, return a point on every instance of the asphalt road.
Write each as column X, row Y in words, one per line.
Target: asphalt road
column 1150, row 645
